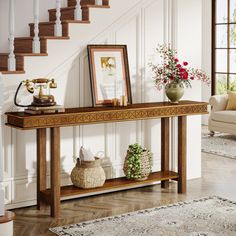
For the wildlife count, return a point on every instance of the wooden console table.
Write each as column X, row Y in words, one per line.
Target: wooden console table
column 81, row 116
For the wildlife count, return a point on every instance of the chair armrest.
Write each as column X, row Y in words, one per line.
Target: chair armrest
column 218, row 102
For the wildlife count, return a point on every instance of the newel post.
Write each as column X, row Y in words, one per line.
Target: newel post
column 11, row 57
column 36, row 40
column 78, row 11
column 58, row 25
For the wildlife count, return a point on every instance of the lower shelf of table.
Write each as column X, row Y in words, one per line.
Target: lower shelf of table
column 111, row 185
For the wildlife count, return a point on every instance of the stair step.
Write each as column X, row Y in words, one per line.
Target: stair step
column 47, row 28
column 85, row 10
column 4, row 62
column 67, row 13
column 78, row 21
column 7, row 72
column 72, row 3
column 24, row 44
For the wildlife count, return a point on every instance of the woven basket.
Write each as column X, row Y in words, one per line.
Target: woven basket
column 145, row 164
column 88, row 174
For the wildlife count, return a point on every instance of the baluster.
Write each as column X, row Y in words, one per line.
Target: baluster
column 78, row 11
column 36, row 41
column 99, row 2
column 58, row 26
column 11, row 57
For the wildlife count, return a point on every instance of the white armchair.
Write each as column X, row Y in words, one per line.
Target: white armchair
column 220, row 119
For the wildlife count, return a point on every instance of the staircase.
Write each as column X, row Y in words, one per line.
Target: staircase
column 23, row 46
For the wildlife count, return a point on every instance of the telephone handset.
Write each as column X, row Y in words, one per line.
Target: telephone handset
column 40, row 100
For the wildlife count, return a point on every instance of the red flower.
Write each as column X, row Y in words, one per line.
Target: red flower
column 181, row 70
column 171, row 77
column 185, row 76
column 178, row 65
column 176, row 60
column 192, row 78
column 185, row 63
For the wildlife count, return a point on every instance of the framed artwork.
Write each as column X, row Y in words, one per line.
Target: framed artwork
column 109, row 73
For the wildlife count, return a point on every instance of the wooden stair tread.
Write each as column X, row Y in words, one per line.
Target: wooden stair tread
column 95, row 6
column 27, row 54
column 84, row 6
column 63, row 22
column 42, row 37
column 77, row 21
column 7, row 72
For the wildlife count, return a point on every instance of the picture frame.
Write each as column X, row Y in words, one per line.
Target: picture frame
column 109, row 74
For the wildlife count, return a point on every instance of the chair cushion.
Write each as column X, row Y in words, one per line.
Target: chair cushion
column 225, row 116
column 231, row 101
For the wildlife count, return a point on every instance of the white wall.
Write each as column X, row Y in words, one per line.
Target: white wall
column 1, row 151
column 141, row 24
column 189, row 45
column 206, row 50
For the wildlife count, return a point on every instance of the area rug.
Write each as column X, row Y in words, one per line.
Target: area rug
column 220, row 144
column 208, row 216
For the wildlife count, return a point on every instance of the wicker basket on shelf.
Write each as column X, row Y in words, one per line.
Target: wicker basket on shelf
column 138, row 164
column 88, row 174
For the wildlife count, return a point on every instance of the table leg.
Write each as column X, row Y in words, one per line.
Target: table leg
column 41, row 166
column 182, row 128
column 165, row 143
column 55, row 172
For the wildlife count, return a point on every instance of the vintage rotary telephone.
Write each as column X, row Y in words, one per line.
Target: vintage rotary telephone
column 40, row 100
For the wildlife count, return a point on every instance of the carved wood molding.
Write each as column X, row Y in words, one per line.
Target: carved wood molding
column 96, row 116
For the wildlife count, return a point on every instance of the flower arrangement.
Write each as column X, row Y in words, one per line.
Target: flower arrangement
column 172, row 70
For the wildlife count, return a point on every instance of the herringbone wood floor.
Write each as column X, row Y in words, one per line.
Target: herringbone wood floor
column 219, row 176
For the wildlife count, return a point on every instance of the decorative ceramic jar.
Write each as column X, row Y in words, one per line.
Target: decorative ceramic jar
column 174, row 91
column 138, row 163
column 88, row 174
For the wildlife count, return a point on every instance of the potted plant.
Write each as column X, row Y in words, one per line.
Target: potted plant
column 138, row 162
column 174, row 75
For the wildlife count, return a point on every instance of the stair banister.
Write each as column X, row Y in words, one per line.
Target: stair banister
column 11, row 57
column 99, row 2
column 36, row 40
column 78, row 11
column 58, row 25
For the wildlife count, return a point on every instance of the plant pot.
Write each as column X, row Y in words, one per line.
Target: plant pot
column 145, row 167
column 174, row 91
